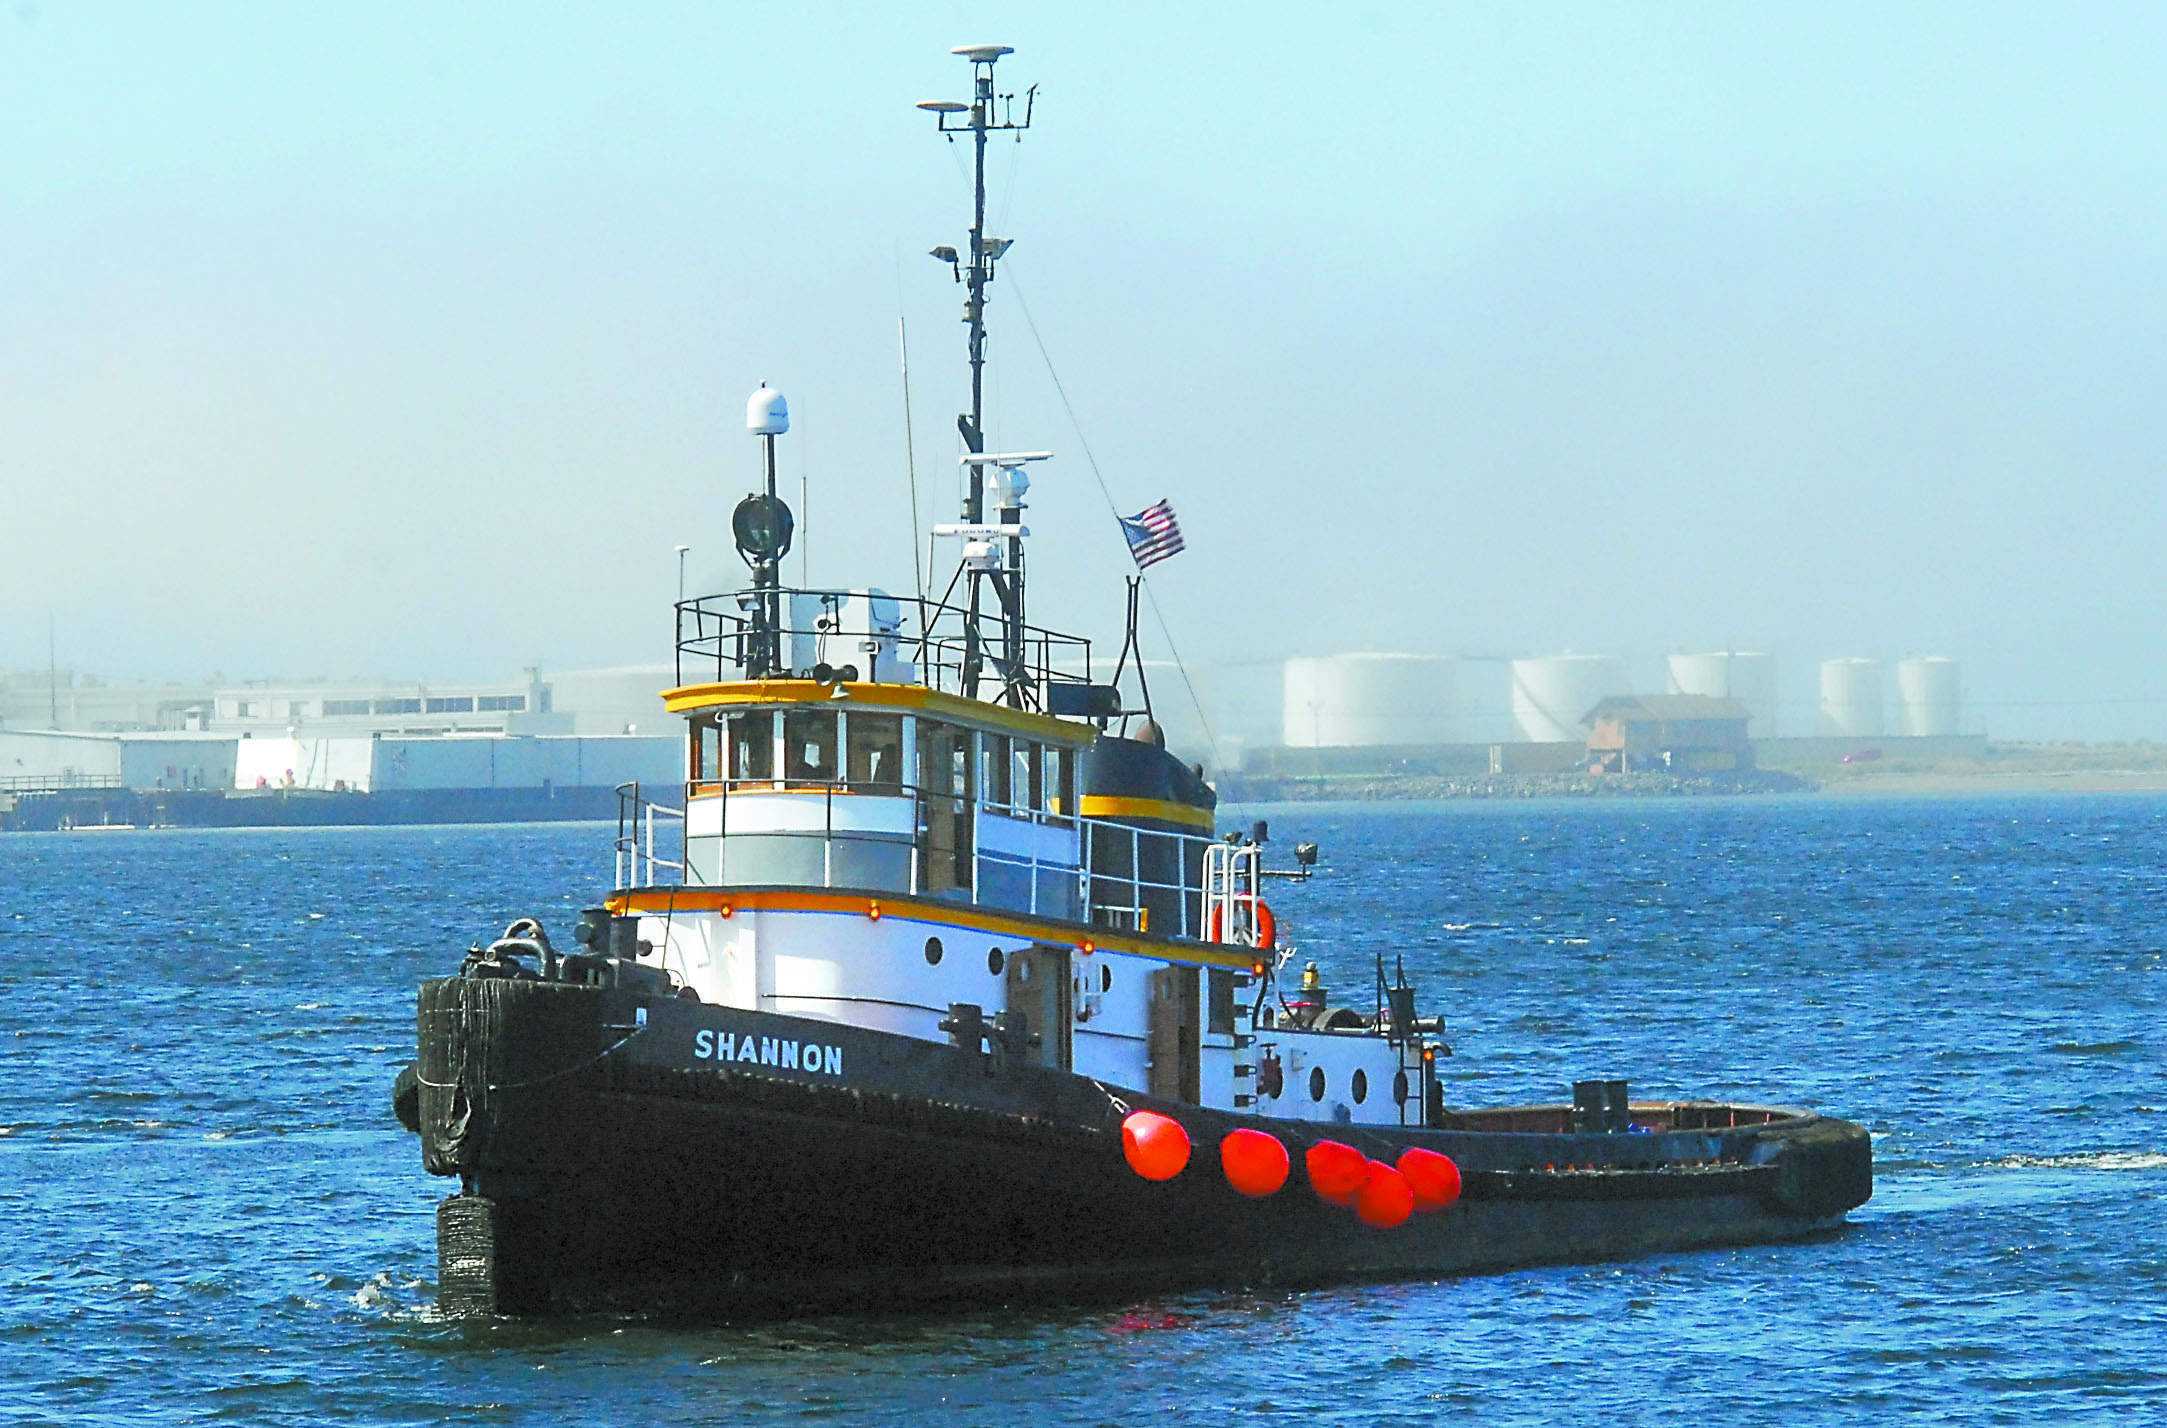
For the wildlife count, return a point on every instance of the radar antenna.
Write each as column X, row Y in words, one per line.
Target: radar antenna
column 988, row 113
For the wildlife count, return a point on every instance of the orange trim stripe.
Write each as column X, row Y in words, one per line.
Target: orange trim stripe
column 901, row 907
column 1093, row 805
column 731, row 693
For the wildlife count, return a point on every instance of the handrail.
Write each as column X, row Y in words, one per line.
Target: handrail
column 56, row 783
column 871, row 788
column 1233, row 886
column 1192, row 899
column 636, row 816
column 714, row 629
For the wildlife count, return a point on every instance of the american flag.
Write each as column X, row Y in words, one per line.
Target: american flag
column 1152, row 534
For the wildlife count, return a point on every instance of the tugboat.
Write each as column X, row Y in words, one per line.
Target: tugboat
column 934, row 983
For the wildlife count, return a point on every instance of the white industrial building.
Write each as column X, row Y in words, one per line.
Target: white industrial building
column 37, row 760
column 623, row 700
column 605, row 701
column 345, row 764
column 43, row 758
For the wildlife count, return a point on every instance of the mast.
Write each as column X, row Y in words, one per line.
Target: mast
column 992, row 558
column 762, row 526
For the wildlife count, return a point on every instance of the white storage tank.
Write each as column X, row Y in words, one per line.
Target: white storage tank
column 1748, row 678
column 1552, row 694
column 1364, row 700
column 1928, row 688
column 1851, row 698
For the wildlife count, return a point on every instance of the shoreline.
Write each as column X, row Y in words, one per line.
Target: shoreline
column 1897, row 781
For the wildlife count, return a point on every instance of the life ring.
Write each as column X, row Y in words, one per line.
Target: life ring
column 1265, row 926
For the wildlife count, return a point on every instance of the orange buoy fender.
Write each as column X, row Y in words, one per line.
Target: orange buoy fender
column 1336, row 1172
column 1433, row 1177
column 1267, row 925
column 1156, row 1146
column 1256, row 1164
column 1385, row 1200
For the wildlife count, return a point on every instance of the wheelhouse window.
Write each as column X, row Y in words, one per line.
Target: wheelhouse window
column 1057, row 789
column 706, row 750
column 1026, row 765
column 752, row 744
column 1013, row 774
column 809, row 745
column 995, row 778
column 876, row 752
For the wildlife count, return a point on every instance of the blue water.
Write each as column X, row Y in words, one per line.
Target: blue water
column 208, row 1214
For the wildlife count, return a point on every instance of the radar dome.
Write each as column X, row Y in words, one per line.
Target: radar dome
column 767, row 414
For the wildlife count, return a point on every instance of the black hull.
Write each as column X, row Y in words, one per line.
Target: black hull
column 606, row 1165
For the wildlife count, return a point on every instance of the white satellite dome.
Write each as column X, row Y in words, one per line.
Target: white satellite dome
column 767, row 414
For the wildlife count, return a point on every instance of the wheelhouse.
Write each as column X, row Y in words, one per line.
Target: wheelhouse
column 881, row 788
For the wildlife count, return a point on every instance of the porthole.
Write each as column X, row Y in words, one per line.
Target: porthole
column 1360, row 1085
column 1399, row 1087
column 994, row 962
column 932, row 951
column 1106, row 979
column 1316, row 1083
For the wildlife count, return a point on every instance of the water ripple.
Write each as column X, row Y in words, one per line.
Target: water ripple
column 213, row 1217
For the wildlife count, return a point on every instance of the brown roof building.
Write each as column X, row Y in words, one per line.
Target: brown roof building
column 1677, row 733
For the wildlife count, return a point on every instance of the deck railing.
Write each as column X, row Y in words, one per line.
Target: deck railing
column 1111, row 891
column 636, row 819
column 714, row 634
column 57, row 783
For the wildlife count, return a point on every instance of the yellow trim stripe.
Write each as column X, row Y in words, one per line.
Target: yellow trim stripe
column 691, row 697
column 1093, row 805
column 933, row 912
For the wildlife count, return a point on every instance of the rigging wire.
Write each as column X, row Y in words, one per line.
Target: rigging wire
column 910, row 444
column 805, row 514
column 1092, row 461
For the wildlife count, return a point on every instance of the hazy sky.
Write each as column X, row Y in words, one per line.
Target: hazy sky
column 410, row 339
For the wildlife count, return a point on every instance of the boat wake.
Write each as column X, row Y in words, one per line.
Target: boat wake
column 2091, row 1160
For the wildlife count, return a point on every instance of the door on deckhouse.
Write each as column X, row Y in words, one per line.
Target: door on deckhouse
column 944, row 764
column 1176, row 1063
column 1039, row 987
